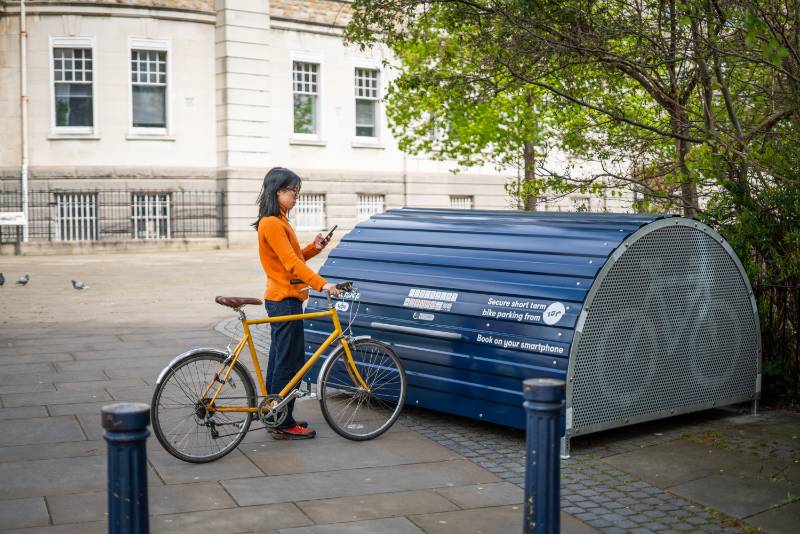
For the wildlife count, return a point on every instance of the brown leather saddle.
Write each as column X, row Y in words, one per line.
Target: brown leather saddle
column 237, row 302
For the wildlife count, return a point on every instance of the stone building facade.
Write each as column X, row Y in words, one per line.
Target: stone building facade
column 157, row 100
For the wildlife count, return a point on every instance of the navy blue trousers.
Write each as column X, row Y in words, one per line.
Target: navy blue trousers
column 286, row 349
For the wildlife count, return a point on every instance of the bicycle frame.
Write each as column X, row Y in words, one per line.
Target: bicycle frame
column 247, row 339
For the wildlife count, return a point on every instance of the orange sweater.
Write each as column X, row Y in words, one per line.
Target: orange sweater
column 283, row 260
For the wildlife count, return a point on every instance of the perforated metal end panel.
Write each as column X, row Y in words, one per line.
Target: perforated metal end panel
column 670, row 327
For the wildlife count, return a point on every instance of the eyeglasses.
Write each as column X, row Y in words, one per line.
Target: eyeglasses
column 295, row 190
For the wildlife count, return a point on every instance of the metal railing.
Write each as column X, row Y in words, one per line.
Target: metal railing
column 779, row 310
column 115, row 215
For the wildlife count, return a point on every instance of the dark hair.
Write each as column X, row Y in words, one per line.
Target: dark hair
column 277, row 178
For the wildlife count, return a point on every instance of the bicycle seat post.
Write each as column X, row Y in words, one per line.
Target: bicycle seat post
column 330, row 304
column 242, row 316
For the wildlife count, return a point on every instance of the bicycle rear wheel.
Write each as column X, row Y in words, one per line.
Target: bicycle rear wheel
column 187, row 424
column 352, row 411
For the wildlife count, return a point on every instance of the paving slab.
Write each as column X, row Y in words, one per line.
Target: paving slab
column 174, row 471
column 482, row 521
column 350, row 482
column 396, row 525
column 781, row 520
column 26, row 388
column 63, row 341
column 41, row 430
column 233, row 520
column 675, row 462
column 80, row 408
column 23, row 412
column 483, row 495
column 27, row 368
column 100, row 385
column 20, row 513
column 50, row 377
column 78, row 528
column 288, row 457
column 382, row 505
column 36, row 357
column 132, row 394
column 149, row 371
column 112, row 363
column 123, row 352
column 72, row 449
column 179, row 498
column 52, row 397
column 56, row 476
column 738, row 497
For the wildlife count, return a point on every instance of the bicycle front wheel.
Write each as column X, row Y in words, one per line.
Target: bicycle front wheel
column 187, row 424
column 356, row 412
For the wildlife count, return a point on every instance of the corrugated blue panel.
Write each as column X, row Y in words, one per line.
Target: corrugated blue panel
column 473, row 301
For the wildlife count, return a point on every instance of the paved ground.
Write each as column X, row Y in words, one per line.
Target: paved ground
column 65, row 353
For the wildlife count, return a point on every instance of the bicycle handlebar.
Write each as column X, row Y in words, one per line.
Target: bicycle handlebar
column 345, row 286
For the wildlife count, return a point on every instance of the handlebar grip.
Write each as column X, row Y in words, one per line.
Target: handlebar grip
column 345, row 286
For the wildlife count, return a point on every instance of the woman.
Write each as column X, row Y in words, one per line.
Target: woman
column 284, row 262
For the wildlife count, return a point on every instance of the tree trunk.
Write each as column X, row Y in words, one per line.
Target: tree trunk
column 529, row 162
column 688, row 188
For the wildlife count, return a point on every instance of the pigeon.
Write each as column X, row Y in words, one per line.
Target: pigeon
column 24, row 280
column 2, row 280
column 77, row 284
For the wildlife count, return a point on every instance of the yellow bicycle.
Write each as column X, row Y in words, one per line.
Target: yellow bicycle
column 205, row 399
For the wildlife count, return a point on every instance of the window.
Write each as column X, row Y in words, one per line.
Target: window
column 366, row 93
column 149, row 88
column 151, row 215
column 305, row 90
column 369, row 205
column 76, row 217
column 461, row 202
column 73, row 84
column 309, row 212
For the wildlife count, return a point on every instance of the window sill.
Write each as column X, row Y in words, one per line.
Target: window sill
column 56, row 136
column 307, row 142
column 149, row 137
column 368, row 144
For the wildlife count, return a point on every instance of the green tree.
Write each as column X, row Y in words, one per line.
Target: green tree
column 694, row 103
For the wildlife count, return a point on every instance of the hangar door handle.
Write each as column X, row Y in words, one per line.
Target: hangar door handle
column 414, row 330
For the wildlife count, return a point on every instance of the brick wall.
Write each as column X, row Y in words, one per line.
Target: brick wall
column 328, row 12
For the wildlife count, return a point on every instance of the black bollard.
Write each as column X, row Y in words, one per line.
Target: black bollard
column 544, row 400
column 125, row 427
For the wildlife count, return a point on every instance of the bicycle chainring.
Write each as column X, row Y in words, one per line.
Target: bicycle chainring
column 272, row 418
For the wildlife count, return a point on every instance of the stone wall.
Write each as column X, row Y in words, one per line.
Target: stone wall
column 206, row 6
column 328, row 12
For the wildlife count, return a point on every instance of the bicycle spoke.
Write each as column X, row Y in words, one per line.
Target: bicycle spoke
column 187, row 427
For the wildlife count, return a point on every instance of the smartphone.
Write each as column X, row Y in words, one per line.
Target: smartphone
column 330, row 234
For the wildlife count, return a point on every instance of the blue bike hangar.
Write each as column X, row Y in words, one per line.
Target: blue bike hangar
column 644, row 316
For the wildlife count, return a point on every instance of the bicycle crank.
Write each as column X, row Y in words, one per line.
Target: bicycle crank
column 272, row 412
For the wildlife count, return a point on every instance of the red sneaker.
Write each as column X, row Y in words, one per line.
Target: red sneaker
column 294, row 432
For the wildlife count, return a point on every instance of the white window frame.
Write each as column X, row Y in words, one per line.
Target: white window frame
column 159, row 45
column 370, row 64
column 307, row 57
column 73, row 131
column 471, row 199
column 365, row 200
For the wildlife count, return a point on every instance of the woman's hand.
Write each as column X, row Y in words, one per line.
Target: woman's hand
column 319, row 242
column 331, row 288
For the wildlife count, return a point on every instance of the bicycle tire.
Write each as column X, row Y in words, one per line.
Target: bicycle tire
column 190, row 377
column 348, row 408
